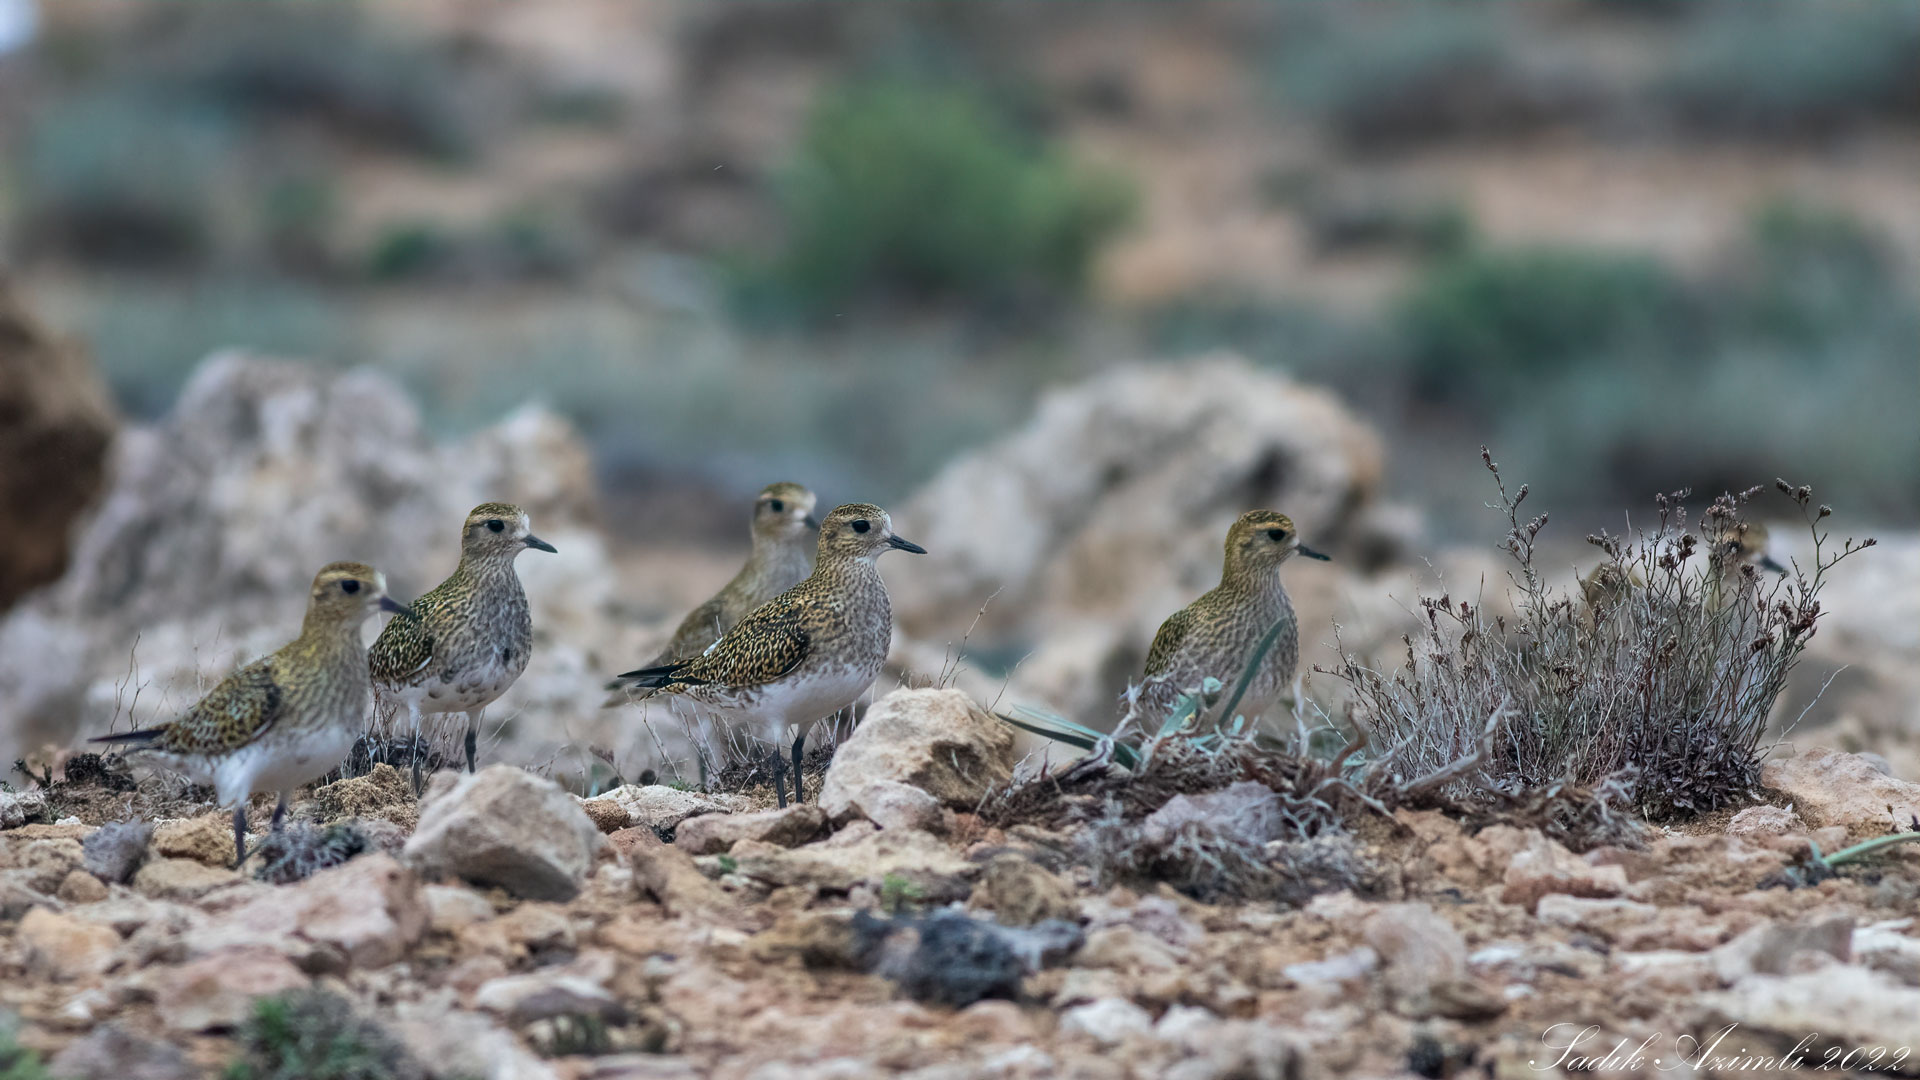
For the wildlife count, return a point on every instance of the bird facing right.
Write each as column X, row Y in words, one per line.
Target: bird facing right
column 474, row 634
column 783, row 543
column 1216, row 636
column 285, row 719
column 1732, row 547
column 805, row 654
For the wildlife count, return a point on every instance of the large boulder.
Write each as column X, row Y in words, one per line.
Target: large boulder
column 1832, row 787
column 370, row 910
column 936, row 740
column 1849, row 1006
column 56, row 422
column 218, row 992
column 662, row 808
column 1107, row 512
column 789, row 826
column 863, row 856
column 506, row 827
column 65, row 948
column 199, row 555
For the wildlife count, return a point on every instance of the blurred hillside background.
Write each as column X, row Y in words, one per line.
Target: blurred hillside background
column 1635, row 244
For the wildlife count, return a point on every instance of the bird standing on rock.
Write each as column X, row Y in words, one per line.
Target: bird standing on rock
column 285, row 719
column 805, row 654
column 1216, row 635
column 474, row 634
column 782, row 557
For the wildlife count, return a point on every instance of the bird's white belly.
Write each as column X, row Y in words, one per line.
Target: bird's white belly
column 473, row 688
column 805, row 700
column 282, row 761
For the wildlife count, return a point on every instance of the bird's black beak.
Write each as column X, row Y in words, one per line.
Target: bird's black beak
column 905, row 545
column 1312, row 554
column 388, row 603
column 538, row 544
column 812, row 522
column 1767, row 563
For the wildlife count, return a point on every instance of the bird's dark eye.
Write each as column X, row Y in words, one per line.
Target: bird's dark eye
column 1276, row 535
column 776, row 506
column 496, row 524
column 862, row 525
column 349, row 587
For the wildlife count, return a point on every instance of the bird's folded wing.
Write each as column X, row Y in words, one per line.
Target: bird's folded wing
column 239, row 710
column 403, row 649
column 700, row 629
column 1167, row 642
column 766, row 645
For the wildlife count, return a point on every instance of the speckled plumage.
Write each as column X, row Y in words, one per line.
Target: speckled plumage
column 474, row 633
column 784, row 539
column 287, row 718
column 1216, row 635
column 807, row 653
column 1732, row 548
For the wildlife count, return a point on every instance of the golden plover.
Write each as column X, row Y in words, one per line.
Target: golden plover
column 805, row 654
column 285, row 719
column 1216, row 635
column 474, row 633
column 1605, row 588
column 782, row 557
column 1734, row 546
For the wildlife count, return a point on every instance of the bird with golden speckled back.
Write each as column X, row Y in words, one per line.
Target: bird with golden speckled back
column 285, row 719
column 1216, row 636
column 784, row 537
column 805, row 654
column 474, row 634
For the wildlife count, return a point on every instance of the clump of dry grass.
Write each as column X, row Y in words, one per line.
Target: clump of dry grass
column 1651, row 698
column 1220, row 817
column 1645, row 696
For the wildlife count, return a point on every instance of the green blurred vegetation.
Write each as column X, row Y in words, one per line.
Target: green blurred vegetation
column 1798, row 352
column 17, row 1062
column 1773, row 67
column 925, row 192
column 1407, row 75
column 209, row 137
column 331, row 65
column 315, row 1035
column 1394, row 76
column 114, row 178
column 1491, row 323
column 862, row 286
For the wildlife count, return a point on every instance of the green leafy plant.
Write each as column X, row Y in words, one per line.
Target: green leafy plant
column 928, row 191
column 898, row 894
column 316, row 1035
column 17, row 1062
column 1493, row 322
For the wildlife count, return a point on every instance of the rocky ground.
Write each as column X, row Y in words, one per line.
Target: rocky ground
column 899, row 924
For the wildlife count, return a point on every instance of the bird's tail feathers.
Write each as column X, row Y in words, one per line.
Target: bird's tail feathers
column 134, row 739
column 652, row 678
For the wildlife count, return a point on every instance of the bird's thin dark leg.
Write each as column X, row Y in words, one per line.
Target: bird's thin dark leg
column 779, row 767
column 799, row 748
column 240, row 834
column 279, row 813
column 473, row 737
column 418, row 785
